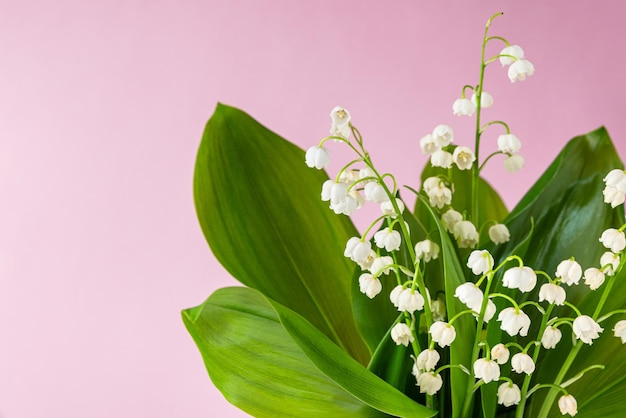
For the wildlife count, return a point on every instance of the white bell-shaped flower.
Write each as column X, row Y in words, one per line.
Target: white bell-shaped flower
column 463, row 157
column 357, row 249
column 463, row 107
column 429, row 382
column 614, row 240
column 610, row 261
column 522, row 278
column 569, row 271
column 480, row 261
column 490, row 311
column 369, row 285
column 586, row 329
column 594, row 277
column 470, row 295
column 520, row 69
column 426, row 250
column 486, row 100
column 387, row 208
column 439, row 196
column 438, row 309
column 340, row 126
column 441, row 158
column 466, row 234
column 427, row 360
column 509, row 144
column 514, row 321
column 509, row 394
column 382, row 265
column 616, row 178
column 620, row 330
column 388, row 239
column 500, row 353
column 487, row 370
column 499, row 234
column 613, row 196
column 401, row 334
column 410, row 300
column 514, row 163
column 522, row 363
column 515, row 50
column 394, row 296
column 551, row 337
column 374, row 192
column 318, row 157
column 428, row 145
column 442, row 333
column 552, row 293
column 450, row 218
column 443, row 135
column 568, row 405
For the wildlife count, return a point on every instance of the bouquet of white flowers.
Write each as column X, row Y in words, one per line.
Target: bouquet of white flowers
column 455, row 308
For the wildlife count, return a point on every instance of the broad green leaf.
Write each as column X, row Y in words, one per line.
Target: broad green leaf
column 256, row 364
column 461, row 349
column 260, row 210
column 346, row 371
column 267, row 360
column 569, row 216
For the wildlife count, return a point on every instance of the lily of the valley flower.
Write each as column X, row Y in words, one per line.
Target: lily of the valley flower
column 463, row 107
column 480, row 261
column 388, row 239
column 551, row 337
column 382, row 265
column 514, row 163
column 341, row 200
column 615, row 190
column 441, row 158
column 357, row 249
column 410, row 300
column 318, row 157
column 486, row 100
column 470, row 295
column 438, row 309
column 374, row 192
column 611, row 261
column 515, row 50
column 429, row 382
column 594, row 277
column 613, row 196
column 426, row 250
column 522, row 363
column 463, row 157
column 514, row 321
column 499, row 234
column 520, row 69
column 439, row 196
column 500, row 353
column 552, row 293
column 401, row 334
column 369, row 285
column 620, row 330
column 569, row 271
column 450, row 218
column 387, row 208
column 614, row 240
column 509, row 394
column 427, row 360
column 586, row 329
column 442, row 333
column 442, row 135
column 466, row 234
column 340, row 122
column 487, row 370
column 568, row 405
column 508, row 143
column 522, row 278
column 428, row 144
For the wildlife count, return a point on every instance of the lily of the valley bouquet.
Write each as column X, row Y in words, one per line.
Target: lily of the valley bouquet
column 455, row 307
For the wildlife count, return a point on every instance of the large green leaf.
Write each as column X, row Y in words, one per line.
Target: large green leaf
column 569, row 216
column 260, row 211
column 267, row 370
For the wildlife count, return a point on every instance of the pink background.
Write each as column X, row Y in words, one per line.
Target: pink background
column 102, row 108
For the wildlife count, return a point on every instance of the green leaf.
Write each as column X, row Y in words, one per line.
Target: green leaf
column 260, row 211
column 248, row 341
column 569, row 216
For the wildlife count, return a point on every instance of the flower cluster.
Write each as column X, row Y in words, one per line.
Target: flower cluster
column 542, row 294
